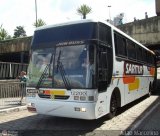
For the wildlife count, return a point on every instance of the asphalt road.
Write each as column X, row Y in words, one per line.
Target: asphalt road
column 130, row 118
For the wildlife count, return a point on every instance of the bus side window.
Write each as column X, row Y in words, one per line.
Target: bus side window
column 105, row 34
column 120, row 45
column 139, row 54
column 131, row 51
column 102, row 71
column 103, row 67
column 144, row 56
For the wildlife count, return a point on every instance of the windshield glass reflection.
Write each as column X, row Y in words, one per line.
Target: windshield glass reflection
column 40, row 60
column 71, row 67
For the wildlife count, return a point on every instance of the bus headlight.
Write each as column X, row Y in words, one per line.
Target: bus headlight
column 76, row 97
column 80, row 109
column 82, row 98
column 90, row 98
column 83, row 109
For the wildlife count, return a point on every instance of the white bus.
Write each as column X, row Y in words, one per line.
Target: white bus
column 86, row 69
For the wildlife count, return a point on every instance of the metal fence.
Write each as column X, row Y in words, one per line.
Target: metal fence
column 12, row 94
column 11, row 91
column 11, row 70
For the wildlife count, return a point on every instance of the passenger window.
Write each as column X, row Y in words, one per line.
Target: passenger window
column 105, row 34
column 139, row 54
column 153, row 60
column 120, row 44
column 149, row 60
column 144, row 56
column 131, row 50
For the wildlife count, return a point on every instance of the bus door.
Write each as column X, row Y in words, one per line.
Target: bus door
column 102, row 69
column 103, row 76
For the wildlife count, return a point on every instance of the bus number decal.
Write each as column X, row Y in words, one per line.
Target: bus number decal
column 133, row 69
column 79, row 93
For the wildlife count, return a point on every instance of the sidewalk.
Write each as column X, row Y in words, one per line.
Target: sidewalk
column 8, row 105
column 149, row 119
column 13, row 109
column 152, row 121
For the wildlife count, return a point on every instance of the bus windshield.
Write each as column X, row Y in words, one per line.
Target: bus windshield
column 62, row 67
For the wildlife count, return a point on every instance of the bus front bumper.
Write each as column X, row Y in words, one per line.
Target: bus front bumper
column 70, row 109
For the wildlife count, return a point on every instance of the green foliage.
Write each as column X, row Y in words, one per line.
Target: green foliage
column 84, row 10
column 19, row 32
column 39, row 23
column 3, row 34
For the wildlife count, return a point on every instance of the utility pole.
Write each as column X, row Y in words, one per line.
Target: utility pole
column 36, row 11
column 109, row 6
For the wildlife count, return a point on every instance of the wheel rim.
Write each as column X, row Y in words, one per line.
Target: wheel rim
column 113, row 107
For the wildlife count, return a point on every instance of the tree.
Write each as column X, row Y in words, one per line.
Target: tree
column 19, row 32
column 84, row 10
column 39, row 23
column 3, row 34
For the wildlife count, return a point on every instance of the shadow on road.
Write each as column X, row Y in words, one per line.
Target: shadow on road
column 38, row 125
column 145, row 120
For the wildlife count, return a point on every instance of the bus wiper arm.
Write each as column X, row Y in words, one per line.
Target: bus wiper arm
column 63, row 73
column 50, row 64
column 44, row 75
column 58, row 60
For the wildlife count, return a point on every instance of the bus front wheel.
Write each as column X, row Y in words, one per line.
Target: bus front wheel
column 113, row 106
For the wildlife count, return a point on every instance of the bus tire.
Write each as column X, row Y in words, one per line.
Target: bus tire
column 113, row 106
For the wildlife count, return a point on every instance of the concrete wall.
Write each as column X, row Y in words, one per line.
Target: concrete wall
column 146, row 31
column 15, row 45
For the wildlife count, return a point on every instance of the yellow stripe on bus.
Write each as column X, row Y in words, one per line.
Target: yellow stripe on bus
column 134, row 86
column 57, row 92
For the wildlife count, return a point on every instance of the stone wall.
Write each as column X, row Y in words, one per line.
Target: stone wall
column 15, row 45
column 146, row 31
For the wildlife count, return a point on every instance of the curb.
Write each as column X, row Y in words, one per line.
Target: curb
column 11, row 110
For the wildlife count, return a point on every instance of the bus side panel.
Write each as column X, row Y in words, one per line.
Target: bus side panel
column 117, row 80
column 102, row 104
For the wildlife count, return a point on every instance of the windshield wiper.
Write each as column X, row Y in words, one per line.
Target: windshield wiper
column 44, row 74
column 63, row 73
column 50, row 64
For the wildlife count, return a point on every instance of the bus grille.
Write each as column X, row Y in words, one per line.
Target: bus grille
column 62, row 97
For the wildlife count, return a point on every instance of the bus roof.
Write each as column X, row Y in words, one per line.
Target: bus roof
column 96, row 21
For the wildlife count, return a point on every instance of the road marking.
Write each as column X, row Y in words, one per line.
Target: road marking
column 136, row 125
